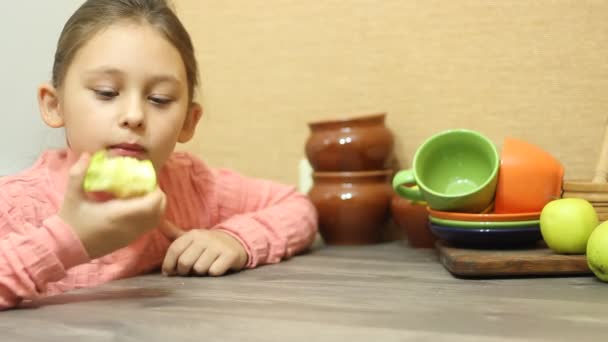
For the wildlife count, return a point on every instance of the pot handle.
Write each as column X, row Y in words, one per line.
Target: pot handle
column 403, row 178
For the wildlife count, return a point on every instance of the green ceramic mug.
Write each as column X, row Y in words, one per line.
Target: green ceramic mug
column 455, row 170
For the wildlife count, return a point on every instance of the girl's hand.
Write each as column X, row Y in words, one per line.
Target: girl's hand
column 201, row 252
column 104, row 227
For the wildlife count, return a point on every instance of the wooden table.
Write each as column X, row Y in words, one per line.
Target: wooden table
column 386, row 292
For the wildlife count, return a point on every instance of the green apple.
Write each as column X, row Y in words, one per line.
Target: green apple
column 121, row 176
column 597, row 251
column 566, row 224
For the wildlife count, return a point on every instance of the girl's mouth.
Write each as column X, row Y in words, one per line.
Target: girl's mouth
column 128, row 150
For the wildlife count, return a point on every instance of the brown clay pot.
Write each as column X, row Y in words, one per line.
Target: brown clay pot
column 413, row 219
column 356, row 144
column 353, row 207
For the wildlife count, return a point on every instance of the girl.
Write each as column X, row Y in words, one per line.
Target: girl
column 123, row 80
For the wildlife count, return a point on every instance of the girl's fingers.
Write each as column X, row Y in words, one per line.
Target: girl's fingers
column 173, row 253
column 151, row 203
column 201, row 267
column 76, row 175
column 187, row 259
column 222, row 264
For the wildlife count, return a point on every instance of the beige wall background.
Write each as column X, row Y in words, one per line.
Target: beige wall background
column 535, row 70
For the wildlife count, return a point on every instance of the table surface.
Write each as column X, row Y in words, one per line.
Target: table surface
column 385, row 292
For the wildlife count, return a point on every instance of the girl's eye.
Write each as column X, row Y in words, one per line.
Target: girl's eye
column 160, row 100
column 105, row 94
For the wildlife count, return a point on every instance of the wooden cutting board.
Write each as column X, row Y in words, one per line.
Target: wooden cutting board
column 538, row 261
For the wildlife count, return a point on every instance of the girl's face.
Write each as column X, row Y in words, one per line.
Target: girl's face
column 126, row 90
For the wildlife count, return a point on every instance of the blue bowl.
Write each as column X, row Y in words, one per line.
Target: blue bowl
column 488, row 238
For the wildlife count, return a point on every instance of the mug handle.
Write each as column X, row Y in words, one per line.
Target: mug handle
column 406, row 177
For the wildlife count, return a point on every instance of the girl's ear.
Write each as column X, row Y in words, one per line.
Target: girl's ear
column 194, row 115
column 48, row 102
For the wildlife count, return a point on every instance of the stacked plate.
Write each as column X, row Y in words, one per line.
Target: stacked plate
column 485, row 230
column 595, row 193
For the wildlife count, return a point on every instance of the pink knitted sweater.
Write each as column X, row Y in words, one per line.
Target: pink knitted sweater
column 40, row 255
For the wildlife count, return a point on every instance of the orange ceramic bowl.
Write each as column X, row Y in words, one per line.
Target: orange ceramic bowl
column 487, row 217
column 528, row 178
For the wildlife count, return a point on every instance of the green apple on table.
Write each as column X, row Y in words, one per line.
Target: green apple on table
column 567, row 223
column 597, row 251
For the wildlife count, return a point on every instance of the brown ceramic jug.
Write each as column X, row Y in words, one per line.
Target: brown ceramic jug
column 413, row 218
column 356, row 144
column 353, row 207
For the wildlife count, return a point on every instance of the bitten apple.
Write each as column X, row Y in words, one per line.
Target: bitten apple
column 123, row 177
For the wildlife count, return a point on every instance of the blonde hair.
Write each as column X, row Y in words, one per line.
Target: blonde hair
column 96, row 15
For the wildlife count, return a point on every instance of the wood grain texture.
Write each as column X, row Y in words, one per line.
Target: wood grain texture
column 584, row 186
column 534, row 70
column 386, row 292
column 601, row 210
column 540, row 261
column 589, row 196
column 601, row 169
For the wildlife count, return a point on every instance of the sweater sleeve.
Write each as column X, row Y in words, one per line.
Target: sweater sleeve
column 31, row 257
column 272, row 221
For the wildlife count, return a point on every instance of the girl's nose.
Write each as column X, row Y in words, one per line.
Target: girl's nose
column 133, row 118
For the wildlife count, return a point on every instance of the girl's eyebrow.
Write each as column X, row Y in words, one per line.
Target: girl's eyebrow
column 104, row 71
column 164, row 78
column 159, row 78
